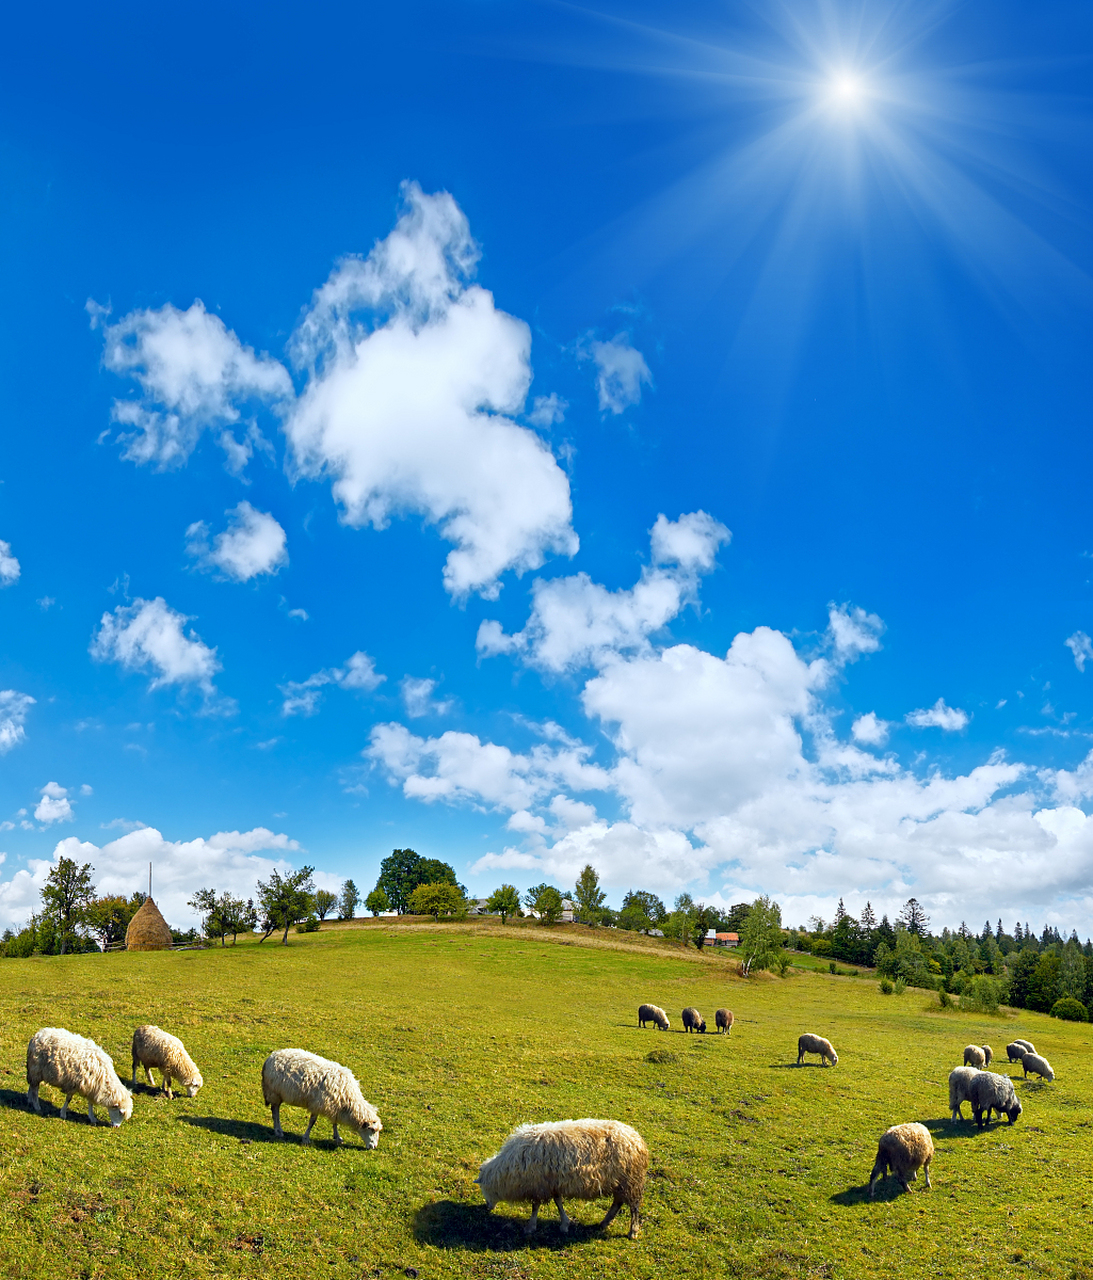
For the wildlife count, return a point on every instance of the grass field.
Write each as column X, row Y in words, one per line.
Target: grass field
column 458, row 1033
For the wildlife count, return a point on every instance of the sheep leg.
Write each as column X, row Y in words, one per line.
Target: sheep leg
column 336, row 1137
column 32, row 1098
column 275, row 1111
column 147, row 1075
column 926, row 1170
column 64, row 1109
column 166, row 1083
column 563, row 1217
column 610, row 1214
column 91, row 1119
column 133, row 1079
column 533, row 1221
column 635, row 1222
column 306, row 1140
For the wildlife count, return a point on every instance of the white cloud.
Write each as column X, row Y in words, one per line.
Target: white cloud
column 939, row 716
column 870, row 729
column 13, row 715
column 193, row 374
column 413, row 376
column 547, row 410
column 853, row 632
column 1079, row 645
column 302, row 697
column 418, row 698
column 252, row 544
column 148, row 635
column 621, row 372
column 86, row 789
column 575, row 621
column 9, row 566
column 54, row 805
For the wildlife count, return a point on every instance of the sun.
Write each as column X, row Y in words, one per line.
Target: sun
column 847, row 89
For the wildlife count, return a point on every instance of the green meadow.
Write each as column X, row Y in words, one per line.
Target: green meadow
column 460, row 1032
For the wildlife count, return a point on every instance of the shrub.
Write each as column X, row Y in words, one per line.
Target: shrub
column 944, row 999
column 981, row 995
column 833, row 967
column 1070, row 1010
column 885, row 987
column 899, row 986
column 310, row 925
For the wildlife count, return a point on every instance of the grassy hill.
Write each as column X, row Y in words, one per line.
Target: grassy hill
column 458, row 1033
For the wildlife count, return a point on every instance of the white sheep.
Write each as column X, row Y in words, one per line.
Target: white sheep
column 1037, row 1065
column 974, row 1056
column 809, row 1043
column 992, row 1092
column 1017, row 1050
column 655, row 1014
column 153, row 1047
column 906, row 1148
column 723, row 1020
column 960, row 1085
column 574, row 1159
column 75, row 1064
column 296, row 1078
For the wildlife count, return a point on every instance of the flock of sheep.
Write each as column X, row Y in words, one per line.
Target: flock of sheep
column 538, row 1163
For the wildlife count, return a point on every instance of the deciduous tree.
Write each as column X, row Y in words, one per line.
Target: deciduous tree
column 504, row 902
column 67, row 894
column 347, row 903
column 284, row 900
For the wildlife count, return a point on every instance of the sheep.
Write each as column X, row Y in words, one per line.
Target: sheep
column 1017, row 1050
column 155, row 1048
column 988, row 1053
column 654, row 1014
column 581, row 1159
column 693, row 1020
column 905, row 1148
column 960, row 1080
column 990, row 1092
column 809, row 1043
column 75, row 1064
column 975, row 1057
column 723, row 1020
column 296, row 1078
column 1037, row 1065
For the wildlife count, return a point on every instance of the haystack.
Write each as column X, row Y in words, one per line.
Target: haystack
column 148, row 931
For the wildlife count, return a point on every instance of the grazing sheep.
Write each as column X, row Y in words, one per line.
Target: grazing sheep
column 723, row 1020
column 155, row 1048
column 296, row 1078
column 1038, row 1066
column 655, row 1014
column 988, row 1053
column 809, row 1043
column 693, row 1020
column 990, row 1092
column 1017, row 1050
column 975, row 1057
column 960, row 1084
column 1029, row 1047
column 75, row 1064
column 905, row 1148
column 578, row 1159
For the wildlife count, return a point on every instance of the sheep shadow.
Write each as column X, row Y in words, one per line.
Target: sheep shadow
column 16, row 1100
column 448, row 1224
column 888, row 1189
column 797, row 1066
column 77, row 1113
column 945, row 1127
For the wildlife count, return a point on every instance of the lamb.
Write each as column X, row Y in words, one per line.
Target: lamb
column 809, row 1043
column 1017, row 1050
column 296, row 1078
column 723, row 1020
column 975, row 1056
column 905, row 1148
column 693, row 1020
column 75, row 1064
column 1038, row 1066
column 654, row 1014
column 960, row 1086
column 581, row 1159
column 155, row 1048
column 990, row 1092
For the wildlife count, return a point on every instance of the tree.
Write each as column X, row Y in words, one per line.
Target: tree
column 67, row 894
column 433, row 871
column 761, row 936
column 204, row 903
column 913, row 918
column 737, row 914
column 650, row 906
column 325, row 902
column 588, row 896
column 438, row 899
column 347, row 903
column 705, row 919
column 504, row 902
column 868, row 921
column 377, row 902
column 284, row 900
column 545, row 901
column 108, row 918
column 399, row 877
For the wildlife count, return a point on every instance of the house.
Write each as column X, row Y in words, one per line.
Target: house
column 726, row 940
column 478, row 907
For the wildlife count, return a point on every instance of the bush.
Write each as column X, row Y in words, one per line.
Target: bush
column 1070, row 1010
column 833, row 967
column 310, row 925
column 899, row 986
column 885, row 987
column 981, row 995
column 944, row 999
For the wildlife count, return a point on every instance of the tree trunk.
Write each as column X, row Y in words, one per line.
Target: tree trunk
column 284, row 940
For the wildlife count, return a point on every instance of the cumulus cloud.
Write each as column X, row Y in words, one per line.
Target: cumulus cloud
column 418, row 698
column 577, row 622
column 302, row 697
column 1079, row 645
column 252, row 544
column 853, row 632
column 150, row 636
column 9, row 566
column 193, row 375
column 939, row 716
column 413, row 378
column 621, row 372
column 870, row 729
column 13, row 715
column 54, row 805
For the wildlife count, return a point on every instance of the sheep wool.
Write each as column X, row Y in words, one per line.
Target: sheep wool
column 975, row 1057
column 1029, row 1047
column 1017, row 1050
column 960, row 1089
column 74, row 1064
column 905, row 1148
column 991, row 1092
column 723, row 1020
column 654, row 1014
column 693, row 1020
column 988, row 1053
column 569, row 1159
column 153, row 1047
column 296, row 1078
column 1038, row 1066
column 809, row 1043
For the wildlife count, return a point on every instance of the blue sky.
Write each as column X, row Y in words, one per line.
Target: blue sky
column 652, row 435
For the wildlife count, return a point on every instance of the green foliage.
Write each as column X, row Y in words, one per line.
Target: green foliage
column 325, row 902
column 885, row 986
column 1043, row 983
column 643, row 906
column 982, row 995
column 402, row 872
column 504, row 902
column 310, row 925
column 588, row 897
column 944, row 999
column 377, row 902
column 545, row 901
column 66, row 898
column 705, row 918
column 899, row 986
column 761, row 936
column 224, row 914
column 108, row 917
column 284, row 900
column 348, row 900
column 1070, row 1010
column 833, row 967
column 440, row 898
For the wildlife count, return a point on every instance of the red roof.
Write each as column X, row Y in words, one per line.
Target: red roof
column 728, row 937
